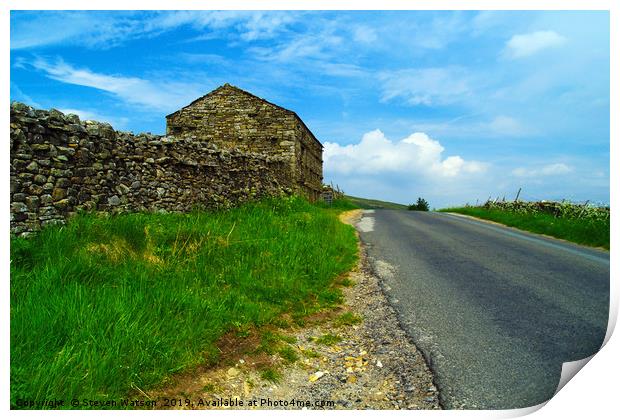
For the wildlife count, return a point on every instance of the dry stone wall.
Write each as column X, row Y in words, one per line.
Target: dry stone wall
column 61, row 165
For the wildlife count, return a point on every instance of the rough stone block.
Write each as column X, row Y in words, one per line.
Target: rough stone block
column 63, row 204
column 46, row 199
column 18, row 207
column 35, row 189
column 19, row 197
column 63, row 182
column 114, row 200
column 59, row 194
column 32, row 202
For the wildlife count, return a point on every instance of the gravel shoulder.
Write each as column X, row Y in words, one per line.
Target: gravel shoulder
column 354, row 357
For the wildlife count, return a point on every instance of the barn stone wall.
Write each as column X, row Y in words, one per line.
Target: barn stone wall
column 230, row 117
column 309, row 163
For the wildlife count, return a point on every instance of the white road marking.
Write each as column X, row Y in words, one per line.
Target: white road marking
column 384, row 270
column 366, row 224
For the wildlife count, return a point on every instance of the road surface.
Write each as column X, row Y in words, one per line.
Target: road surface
column 496, row 311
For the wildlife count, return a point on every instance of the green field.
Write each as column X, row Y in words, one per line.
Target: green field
column 585, row 231
column 106, row 305
column 366, row 203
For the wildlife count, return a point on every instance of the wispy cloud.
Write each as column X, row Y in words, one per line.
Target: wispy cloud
column 426, row 86
column 505, row 125
column 102, row 29
column 18, row 95
column 164, row 96
column 205, row 58
column 306, row 46
column 341, row 69
column 525, row 45
column 470, row 125
column 442, row 30
column 364, row 34
column 246, row 25
column 266, row 25
column 91, row 29
column 553, row 169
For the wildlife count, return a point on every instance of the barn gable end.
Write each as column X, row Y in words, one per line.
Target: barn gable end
column 232, row 118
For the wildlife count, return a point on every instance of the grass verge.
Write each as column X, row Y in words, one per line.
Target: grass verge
column 581, row 231
column 106, row 305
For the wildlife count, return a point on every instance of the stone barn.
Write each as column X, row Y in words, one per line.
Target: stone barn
column 233, row 118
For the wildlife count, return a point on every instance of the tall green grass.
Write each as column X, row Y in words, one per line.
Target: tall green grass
column 106, row 305
column 586, row 231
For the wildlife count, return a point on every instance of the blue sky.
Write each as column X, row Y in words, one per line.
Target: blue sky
column 451, row 106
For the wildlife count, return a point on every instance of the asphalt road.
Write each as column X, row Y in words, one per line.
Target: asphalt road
column 495, row 311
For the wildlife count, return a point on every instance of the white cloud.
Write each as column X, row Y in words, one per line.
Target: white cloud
column 428, row 86
column 167, row 96
column 375, row 154
column 524, row 45
column 552, row 169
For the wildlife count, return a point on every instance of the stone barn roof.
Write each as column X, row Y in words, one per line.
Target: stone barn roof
column 235, row 88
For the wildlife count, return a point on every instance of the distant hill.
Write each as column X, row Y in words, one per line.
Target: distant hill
column 367, row 203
